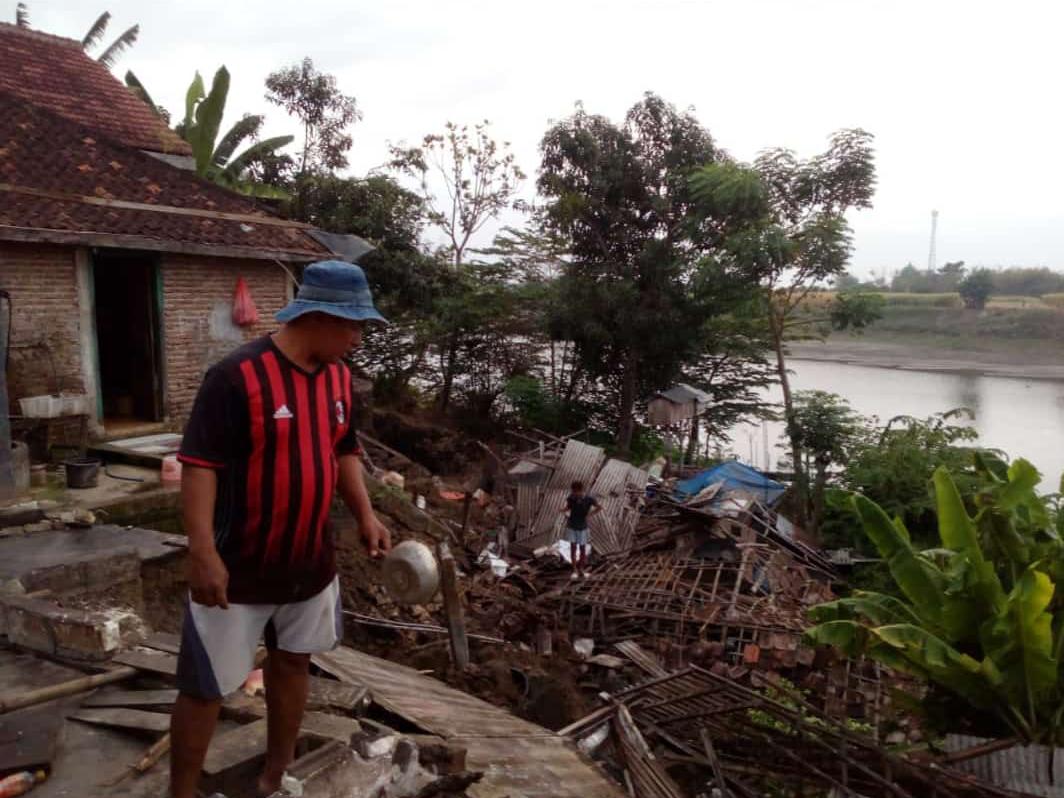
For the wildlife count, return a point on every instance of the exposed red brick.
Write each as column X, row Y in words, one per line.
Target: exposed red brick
column 194, row 289
column 45, row 353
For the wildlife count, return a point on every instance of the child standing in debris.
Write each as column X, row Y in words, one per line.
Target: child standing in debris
column 579, row 507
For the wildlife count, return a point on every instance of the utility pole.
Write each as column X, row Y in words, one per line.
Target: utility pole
column 934, row 234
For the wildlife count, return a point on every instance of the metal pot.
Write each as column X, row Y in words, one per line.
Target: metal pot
column 411, row 574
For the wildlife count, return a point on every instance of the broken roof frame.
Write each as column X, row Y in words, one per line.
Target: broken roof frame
column 708, row 719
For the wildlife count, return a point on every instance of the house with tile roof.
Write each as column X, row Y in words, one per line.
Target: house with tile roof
column 120, row 262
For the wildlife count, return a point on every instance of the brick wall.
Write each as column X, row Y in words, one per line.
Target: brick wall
column 198, row 330
column 45, row 353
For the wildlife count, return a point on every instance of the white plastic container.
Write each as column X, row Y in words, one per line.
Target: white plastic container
column 72, row 404
column 45, row 406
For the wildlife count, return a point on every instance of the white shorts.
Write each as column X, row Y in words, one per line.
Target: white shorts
column 218, row 646
column 578, row 537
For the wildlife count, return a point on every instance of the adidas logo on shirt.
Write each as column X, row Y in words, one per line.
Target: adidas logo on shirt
column 282, row 412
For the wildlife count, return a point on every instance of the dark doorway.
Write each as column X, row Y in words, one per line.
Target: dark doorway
column 128, row 337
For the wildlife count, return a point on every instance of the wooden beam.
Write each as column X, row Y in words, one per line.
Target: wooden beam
column 165, row 664
column 90, row 238
column 172, row 210
column 452, row 603
column 132, row 698
column 122, row 718
column 12, row 701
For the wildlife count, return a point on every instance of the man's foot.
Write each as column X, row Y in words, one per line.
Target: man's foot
column 574, row 576
column 265, row 787
column 583, row 574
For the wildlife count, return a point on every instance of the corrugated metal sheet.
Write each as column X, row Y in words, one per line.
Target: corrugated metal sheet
column 617, row 489
column 1025, row 769
column 580, row 462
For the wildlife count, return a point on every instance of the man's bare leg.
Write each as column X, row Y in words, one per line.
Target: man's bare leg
column 286, row 678
column 191, row 728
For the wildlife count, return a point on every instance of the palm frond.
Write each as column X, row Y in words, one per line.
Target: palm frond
column 22, row 15
column 96, row 32
column 255, row 152
column 246, row 128
column 119, row 46
column 134, row 85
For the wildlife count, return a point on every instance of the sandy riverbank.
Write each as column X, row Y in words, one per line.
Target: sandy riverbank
column 1041, row 360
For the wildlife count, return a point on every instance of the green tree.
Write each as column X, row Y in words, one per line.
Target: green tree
column 480, row 179
column 893, row 464
column 537, row 257
column 976, row 288
column 980, row 619
column 795, row 238
column 405, row 281
column 640, row 282
column 325, row 112
column 93, row 36
column 827, row 429
column 215, row 158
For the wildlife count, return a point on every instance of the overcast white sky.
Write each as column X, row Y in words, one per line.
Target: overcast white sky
column 964, row 98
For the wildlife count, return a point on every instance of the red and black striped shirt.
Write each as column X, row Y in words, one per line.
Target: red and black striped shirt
column 273, row 432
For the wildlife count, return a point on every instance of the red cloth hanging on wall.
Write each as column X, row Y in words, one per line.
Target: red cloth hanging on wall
column 244, row 311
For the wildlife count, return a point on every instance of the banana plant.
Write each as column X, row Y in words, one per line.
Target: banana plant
column 215, row 158
column 981, row 615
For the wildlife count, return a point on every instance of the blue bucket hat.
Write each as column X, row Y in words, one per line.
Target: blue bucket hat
column 334, row 287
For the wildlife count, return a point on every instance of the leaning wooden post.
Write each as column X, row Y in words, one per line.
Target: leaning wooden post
column 452, row 604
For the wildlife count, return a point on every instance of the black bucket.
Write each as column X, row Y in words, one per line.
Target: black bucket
column 82, row 472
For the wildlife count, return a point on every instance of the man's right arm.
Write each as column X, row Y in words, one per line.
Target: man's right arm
column 208, row 578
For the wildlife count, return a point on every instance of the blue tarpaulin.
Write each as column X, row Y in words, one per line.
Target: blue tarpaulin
column 735, row 476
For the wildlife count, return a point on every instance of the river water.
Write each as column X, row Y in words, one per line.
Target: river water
column 1025, row 418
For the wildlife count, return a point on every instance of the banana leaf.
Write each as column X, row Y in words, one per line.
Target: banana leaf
column 255, row 152
column 1019, row 641
column 958, row 532
column 921, row 582
column 876, row 609
column 193, row 95
column 942, row 663
column 247, row 127
column 1022, row 480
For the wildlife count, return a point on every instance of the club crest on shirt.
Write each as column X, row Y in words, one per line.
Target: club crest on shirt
column 339, row 412
column 282, row 412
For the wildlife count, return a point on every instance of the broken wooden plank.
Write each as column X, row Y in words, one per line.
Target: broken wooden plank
column 164, row 641
column 329, row 727
column 122, row 718
column 150, row 661
column 28, row 738
column 234, row 748
column 452, row 603
column 131, row 698
column 331, row 693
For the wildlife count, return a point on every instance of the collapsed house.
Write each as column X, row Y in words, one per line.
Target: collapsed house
column 120, row 263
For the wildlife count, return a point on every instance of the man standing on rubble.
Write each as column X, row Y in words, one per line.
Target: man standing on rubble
column 579, row 507
column 269, row 438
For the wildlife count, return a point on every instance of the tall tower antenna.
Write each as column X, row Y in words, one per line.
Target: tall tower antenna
column 934, row 235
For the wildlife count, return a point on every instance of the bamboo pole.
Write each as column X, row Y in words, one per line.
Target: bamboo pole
column 9, row 702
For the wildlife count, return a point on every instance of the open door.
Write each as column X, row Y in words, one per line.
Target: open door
column 129, row 337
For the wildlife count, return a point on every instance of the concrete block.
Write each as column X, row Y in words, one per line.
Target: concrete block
column 372, row 746
column 86, row 574
column 41, row 625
